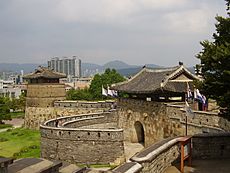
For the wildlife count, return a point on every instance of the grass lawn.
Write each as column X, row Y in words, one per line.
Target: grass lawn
column 3, row 126
column 17, row 114
column 20, row 143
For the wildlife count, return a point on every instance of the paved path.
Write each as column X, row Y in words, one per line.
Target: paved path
column 16, row 122
column 131, row 149
column 204, row 166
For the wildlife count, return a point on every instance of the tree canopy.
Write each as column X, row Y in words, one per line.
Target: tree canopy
column 4, row 109
column 106, row 79
column 94, row 92
column 215, row 63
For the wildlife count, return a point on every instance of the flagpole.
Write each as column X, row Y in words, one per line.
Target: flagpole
column 186, row 118
column 186, row 125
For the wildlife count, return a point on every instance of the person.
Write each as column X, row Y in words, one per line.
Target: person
column 56, row 123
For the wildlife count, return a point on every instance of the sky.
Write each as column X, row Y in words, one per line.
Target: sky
column 138, row 32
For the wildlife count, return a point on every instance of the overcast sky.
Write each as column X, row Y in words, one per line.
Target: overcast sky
column 134, row 31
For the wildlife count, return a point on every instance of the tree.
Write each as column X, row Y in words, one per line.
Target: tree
column 4, row 109
column 215, row 62
column 106, row 79
column 82, row 94
column 94, row 92
column 18, row 104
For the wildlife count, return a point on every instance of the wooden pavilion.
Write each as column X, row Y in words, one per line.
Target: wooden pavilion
column 158, row 84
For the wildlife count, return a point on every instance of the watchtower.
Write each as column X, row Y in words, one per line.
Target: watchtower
column 42, row 90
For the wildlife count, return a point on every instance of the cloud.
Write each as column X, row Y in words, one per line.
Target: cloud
column 109, row 10
column 192, row 21
column 136, row 31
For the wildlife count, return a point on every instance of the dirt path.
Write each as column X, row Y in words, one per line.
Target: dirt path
column 16, row 122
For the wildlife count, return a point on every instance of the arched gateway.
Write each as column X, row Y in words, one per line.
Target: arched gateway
column 140, row 134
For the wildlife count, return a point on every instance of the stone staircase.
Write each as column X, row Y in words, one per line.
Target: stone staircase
column 38, row 165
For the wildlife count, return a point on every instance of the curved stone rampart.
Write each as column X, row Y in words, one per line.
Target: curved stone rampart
column 63, row 139
column 159, row 156
column 92, row 120
column 84, row 104
column 34, row 116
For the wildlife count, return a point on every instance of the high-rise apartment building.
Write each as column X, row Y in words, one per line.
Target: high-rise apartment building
column 69, row 66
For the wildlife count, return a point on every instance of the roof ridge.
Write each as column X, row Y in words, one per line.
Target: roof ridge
column 163, row 69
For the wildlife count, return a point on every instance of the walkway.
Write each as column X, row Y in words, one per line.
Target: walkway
column 131, row 149
column 16, row 122
column 204, row 166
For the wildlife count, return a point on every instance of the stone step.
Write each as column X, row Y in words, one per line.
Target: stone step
column 71, row 168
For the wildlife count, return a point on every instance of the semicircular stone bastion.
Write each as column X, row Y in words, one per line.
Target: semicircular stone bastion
column 92, row 138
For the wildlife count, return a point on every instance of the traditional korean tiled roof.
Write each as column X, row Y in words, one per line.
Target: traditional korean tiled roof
column 148, row 80
column 44, row 72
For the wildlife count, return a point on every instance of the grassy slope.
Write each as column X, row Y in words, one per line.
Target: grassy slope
column 19, row 141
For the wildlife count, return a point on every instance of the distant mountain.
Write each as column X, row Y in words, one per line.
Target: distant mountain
column 118, row 65
column 191, row 69
column 129, row 71
column 152, row 66
column 132, row 71
column 15, row 67
column 90, row 66
column 88, row 69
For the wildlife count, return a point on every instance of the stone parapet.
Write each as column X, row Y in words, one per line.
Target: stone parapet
column 211, row 146
column 34, row 116
column 85, row 104
column 159, row 156
column 79, row 145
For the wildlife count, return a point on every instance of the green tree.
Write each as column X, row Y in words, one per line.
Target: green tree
column 106, row 79
column 82, row 94
column 215, row 62
column 17, row 104
column 4, row 109
column 94, row 92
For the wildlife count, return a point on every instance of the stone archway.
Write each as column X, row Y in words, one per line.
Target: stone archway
column 140, row 134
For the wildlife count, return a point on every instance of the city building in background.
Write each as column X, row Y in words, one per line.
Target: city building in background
column 70, row 66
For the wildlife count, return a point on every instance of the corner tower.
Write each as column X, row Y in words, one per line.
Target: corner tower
column 42, row 90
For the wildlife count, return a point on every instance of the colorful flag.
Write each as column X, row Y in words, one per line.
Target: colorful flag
column 189, row 93
column 104, row 91
column 198, row 96
column 110, row 92
column 115, row 94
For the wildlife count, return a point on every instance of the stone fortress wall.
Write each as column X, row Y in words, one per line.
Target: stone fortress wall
column 68, row 139
column 161, row 120
column 34, row 116
column 99, row 137
column 159, row 156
